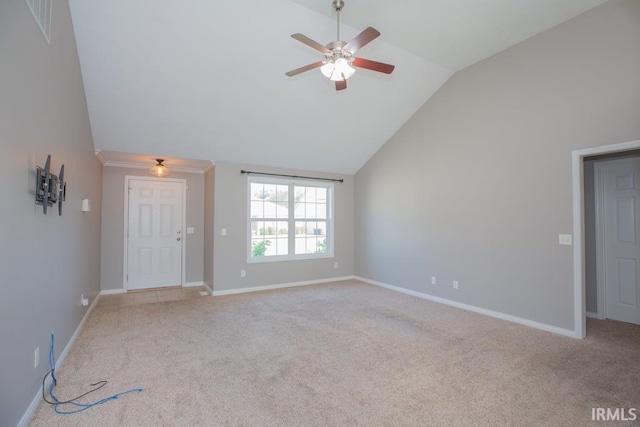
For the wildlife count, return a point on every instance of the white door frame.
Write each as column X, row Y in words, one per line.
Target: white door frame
column 127, row 178
column 577, row 160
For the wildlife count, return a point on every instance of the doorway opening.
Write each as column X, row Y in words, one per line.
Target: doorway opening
column 579, row 252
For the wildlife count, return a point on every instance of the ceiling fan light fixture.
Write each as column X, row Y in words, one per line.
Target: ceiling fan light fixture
column 339, row 62
column 159, row 169
column 338, row 70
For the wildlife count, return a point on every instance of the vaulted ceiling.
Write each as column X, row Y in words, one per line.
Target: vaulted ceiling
column 204, row 79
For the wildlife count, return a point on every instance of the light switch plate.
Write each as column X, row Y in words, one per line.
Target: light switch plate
column 189, row 230
column 223, row 231
column 565, row 239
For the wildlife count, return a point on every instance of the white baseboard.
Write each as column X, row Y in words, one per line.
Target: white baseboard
column 594, row 315
column 282, row 285
column 24, row 421
column 496, row 314
column 193, row 284
column 112, row 291
column 208, row 288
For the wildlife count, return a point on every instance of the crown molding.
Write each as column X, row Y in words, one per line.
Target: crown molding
column 100, row 157
column 137, row 165
column 132, row 165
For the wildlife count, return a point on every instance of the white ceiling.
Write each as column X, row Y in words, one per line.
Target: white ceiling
column 205, row 79
column 456, row 33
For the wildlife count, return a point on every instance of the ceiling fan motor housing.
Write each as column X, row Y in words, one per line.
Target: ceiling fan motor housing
column 337, row 52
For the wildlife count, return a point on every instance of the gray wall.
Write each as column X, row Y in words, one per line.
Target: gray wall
column 477, row 185
column 230, row 255
column 46, row 261
column 209, row 185
column 111, row 266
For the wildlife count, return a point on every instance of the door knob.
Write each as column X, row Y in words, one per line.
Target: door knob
column 178, row 231
column 178, row 239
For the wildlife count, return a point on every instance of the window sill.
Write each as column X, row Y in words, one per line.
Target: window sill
column 258, row 260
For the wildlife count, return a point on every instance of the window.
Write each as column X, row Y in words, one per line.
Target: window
column 289, row 220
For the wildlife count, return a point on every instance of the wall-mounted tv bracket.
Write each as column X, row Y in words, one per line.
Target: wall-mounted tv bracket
column 50, row 189
column 62, row 190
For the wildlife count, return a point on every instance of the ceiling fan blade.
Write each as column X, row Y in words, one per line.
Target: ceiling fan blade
column 373, row 65
column 341, row 84
column 311, row 43
column 305, row 68
column 361, row 39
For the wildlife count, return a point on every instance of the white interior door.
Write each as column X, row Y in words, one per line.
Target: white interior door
column 621, row 198
column 154, row 244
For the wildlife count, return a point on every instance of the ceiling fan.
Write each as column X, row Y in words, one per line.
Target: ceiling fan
column 339, row 62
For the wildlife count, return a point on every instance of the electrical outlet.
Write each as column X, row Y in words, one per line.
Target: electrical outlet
column 335, row 265
column 223, row 231
column 36, row 357
column 243, row 273
column 433, row 280
column 455, row 284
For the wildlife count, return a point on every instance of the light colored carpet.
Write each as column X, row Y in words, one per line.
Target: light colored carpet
column 340, row 354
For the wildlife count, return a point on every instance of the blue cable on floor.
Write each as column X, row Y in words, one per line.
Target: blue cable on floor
column 83, row 406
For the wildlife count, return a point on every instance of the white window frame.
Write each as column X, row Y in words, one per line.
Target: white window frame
column 291, row 182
